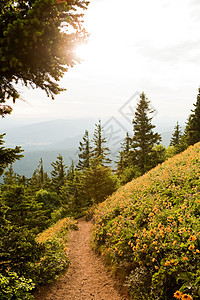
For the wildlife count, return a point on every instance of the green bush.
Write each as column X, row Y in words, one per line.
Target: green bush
column 52, row 263
column 14, row 287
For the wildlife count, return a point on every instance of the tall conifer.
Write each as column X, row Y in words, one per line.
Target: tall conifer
column 176, row 137
column 123, row 158
column 58, row 173
column 144, row 139
column 100, row 151
column 192, row 130
column 84, row 153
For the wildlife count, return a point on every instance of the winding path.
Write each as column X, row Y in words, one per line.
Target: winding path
column 86, row 278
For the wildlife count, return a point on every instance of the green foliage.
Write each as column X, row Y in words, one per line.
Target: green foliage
column 159, row 154
column 85, row 153
column 170, row 152
column 36, row 46
column 100, row 152
column 14, row 287
column 8, row 155
column 123, row 161
column 72, row 195
column 149, row 229
column 144, row 139
column 52, row 264
column 176, row 137
column 23, row 210
column 192, row 130
column 40, row 179
column 90, row 212
column 99, row 182
column 129, row 173
column 10, row 177
column 18, row 249
column 58, row 174
column 49, row 200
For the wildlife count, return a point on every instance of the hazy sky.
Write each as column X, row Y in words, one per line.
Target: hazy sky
column 151, row 46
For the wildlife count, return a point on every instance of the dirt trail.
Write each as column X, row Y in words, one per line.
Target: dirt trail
column 87, row 278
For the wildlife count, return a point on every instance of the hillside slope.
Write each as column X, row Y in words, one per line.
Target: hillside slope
column 150, row 230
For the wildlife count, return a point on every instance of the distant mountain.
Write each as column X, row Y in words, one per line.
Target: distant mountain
column 47, row 139
column 30, row 161
column 44, row 134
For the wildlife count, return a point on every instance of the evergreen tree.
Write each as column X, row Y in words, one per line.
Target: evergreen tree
column 40, row 178
column 8, row 155
column 71, row 172
column 100, row 151
column 192, row 130
column 49, row 200
column 23, row 209
column 37, row 43
column 85, row 153
column 10, row 177
column 58, row 174
column 176, row 137
column 144, row 139
column 123, row 158
column 72, row 193
column 99, row 182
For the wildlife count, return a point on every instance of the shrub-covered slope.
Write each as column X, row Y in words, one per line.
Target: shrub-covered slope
column 20, row 275
column 150, row 230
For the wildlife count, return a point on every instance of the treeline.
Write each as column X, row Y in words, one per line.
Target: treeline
column 144, row 149
column 70, row 190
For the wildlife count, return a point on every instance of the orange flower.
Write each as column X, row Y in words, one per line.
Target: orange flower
column 192, row 238
column 185, row 258
column 172, row 261
column 191, row 247
column 186, row 297
column 178, row 295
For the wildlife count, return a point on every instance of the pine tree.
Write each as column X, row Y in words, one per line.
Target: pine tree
column 71, row 193
column 176, row 137
column 85, row 153
column 37, row 44
column 40, row 178
column 10, row 177
column 71, row 172
column 99, row 182
column 126, row 168
column 192, row 130
column 58, row 174
column 8, row 155
column 123, row 157
column 144, row 139
column 100, row 152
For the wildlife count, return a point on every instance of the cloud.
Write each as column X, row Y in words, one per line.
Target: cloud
column 186, row 51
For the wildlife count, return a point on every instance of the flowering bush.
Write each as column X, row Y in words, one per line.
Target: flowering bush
column 150, row 229
column 57, row 230
column 54, row 260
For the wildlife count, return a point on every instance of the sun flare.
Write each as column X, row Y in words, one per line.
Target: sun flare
column 81, row 51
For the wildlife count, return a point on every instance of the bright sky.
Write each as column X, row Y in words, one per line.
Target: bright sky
column 151, row 46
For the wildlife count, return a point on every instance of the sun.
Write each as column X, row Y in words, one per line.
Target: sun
column 82, row 51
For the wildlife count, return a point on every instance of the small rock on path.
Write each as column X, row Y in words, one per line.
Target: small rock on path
column 86, row 278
